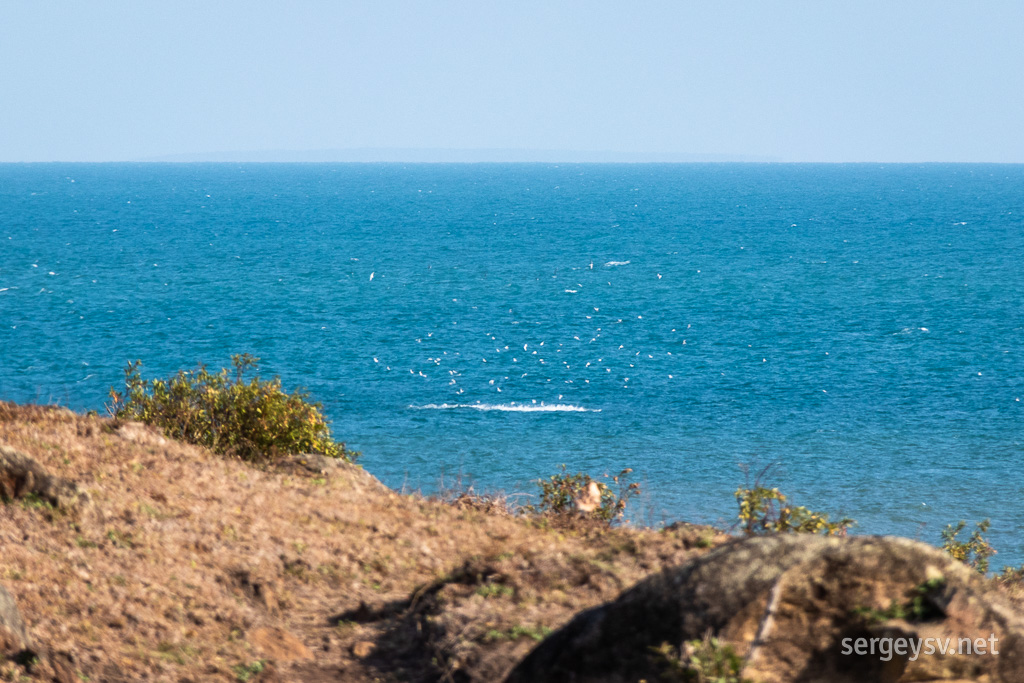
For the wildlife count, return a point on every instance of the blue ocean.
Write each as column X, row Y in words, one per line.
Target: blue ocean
column 858, row 328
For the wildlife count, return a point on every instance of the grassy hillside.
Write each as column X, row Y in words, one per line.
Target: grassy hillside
column 173, row 563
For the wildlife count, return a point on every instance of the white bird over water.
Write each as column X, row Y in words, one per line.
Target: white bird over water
column 371, row 276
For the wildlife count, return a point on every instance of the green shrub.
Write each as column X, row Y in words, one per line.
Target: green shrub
column 700, row 661
column 518, row 631
column 567, row 494
column 246, row 672
column 765, row 511
column 251, row 419
column 1011, row 576
column 975, row 551
column 921, row 605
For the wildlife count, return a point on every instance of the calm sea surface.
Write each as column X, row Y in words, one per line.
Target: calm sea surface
column 862, row 326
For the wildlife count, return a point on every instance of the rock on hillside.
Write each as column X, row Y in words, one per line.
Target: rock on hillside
column 13, row 636
column 785, row 604
column 23, row 477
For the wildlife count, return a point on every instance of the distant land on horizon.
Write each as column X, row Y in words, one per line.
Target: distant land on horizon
column 436, row 155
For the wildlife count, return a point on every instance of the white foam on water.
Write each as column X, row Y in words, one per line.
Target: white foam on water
column 617, row 263
column 509, row 407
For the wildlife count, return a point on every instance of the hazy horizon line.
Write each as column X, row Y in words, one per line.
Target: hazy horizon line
column 426, row 155
column 453, row 155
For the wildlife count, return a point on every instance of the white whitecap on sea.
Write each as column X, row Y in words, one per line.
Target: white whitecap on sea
column 509, row 407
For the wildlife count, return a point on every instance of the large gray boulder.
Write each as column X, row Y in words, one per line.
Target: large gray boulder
column 785, row 604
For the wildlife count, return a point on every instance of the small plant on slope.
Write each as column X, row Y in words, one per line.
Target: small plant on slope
column 246, row 672
column 565, row 494
column 251, row 419
column 920, row 605
column 765, row 511
column 701, row 661
column 975, row 551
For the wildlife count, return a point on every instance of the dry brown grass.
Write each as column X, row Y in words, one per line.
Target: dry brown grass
column 184, row 566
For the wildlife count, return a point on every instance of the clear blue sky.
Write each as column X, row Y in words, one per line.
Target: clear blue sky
column 901, row 80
